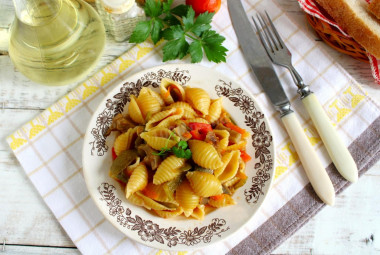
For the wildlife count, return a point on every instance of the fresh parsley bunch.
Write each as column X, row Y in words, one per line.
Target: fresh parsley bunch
column 185, row 33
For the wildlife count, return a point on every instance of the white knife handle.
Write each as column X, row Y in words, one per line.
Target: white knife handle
column 335, row 147
column 316, row 173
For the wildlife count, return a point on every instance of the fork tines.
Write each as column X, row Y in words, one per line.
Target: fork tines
column 268, row 33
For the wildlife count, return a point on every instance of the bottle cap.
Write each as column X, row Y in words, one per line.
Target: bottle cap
column 117, row 6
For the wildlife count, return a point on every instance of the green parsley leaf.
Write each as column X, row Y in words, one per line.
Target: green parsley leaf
column 167, row 5
column 212, row 45
column 202, row 23
column 174, row 32
column 188, row 154
column 188, row 20
column 153, row 8
column 182, row 145
column 156, row 33
column 175, row 49
column 185, row 33
column 196, row 52
column 180, row 150
column 141, row 32
column 180, row 10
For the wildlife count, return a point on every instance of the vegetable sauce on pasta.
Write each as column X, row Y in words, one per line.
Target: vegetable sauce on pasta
column 177, row 152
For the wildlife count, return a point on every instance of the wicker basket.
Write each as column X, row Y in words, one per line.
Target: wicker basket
column 335, row 39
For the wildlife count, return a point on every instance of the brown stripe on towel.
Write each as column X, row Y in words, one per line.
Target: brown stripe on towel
column 366, row 152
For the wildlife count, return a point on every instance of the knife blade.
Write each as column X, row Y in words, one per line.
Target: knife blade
column 262, row 67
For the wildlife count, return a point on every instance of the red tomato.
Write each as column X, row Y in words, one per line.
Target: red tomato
column 201, row 6
column 199, row 130
column 114, row 156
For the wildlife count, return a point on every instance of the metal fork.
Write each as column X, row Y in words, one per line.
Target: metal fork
column 280, row 55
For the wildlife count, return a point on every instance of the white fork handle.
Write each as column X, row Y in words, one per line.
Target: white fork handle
column 316, row 173
column 335, row 147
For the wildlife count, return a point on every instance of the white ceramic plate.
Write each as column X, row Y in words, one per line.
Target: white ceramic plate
column 179, row 233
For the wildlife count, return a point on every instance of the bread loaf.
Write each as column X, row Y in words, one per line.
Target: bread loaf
column 354, row 18
column 374, row 8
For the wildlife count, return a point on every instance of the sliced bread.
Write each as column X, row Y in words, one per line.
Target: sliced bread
column 374, row 8
column 354, row 18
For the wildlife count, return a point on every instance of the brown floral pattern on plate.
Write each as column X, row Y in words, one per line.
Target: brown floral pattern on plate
column 261, row 137
column 150, row 231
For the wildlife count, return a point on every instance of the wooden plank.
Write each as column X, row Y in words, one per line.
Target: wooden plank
column 349, row 227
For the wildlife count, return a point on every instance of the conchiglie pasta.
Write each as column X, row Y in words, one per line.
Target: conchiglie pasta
column 223, row 136
column 164, row 118
column 148, row 103
column 158, row 138
column 198, row 99
column 198, row 212
column 169, row 169
column 188, row 111
column 215, row 110
column 124, row 141
column 137, row 181
column 221, row 201
column 169, row 214
column 231, row 167
column 151, row 204
column 178, row 168
column 134, row 111
column 171, row 91
column 204, row 184
column 198, row 120
column 136, row 199
column 186, row 198
column 204, row 154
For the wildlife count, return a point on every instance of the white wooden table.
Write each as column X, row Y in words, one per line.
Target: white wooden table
column 27, row 226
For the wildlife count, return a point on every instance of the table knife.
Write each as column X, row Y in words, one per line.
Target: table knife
column 262, row 67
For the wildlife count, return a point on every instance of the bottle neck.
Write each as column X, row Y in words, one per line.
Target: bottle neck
column 36, row 12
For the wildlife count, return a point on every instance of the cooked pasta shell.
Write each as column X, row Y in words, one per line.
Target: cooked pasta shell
column 204, row 184
column 169, row 214
column 204, row 154
column 225, row 159
column 125, row 141
column 169, row 169
column 215, row 110
column 186, row 198
column 148, row 103
column 188, row 111
column 157, row 192
column 238, row 146
column 158, row 138
column 171, row 91
column 198, row 99
column 136, row 199
column 223, row 136
column 199, row 212
column 137, row 181
column 164, row 118
column 198, row 120
column 231, row 167
column 221, row 201
column 134, row 111
column 231, row 182
column 151, row 204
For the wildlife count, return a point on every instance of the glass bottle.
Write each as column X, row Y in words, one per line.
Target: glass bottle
column 120, row 17
column 55, row 42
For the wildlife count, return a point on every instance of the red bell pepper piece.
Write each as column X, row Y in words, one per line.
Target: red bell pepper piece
column 199, row 130
column 244, row 156
column 114, row 156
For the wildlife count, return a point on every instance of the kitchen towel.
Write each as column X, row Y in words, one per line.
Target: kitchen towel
column 49, row 147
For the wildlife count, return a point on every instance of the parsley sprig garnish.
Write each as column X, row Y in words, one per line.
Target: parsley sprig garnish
column 180, row 149
column 185, row 33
